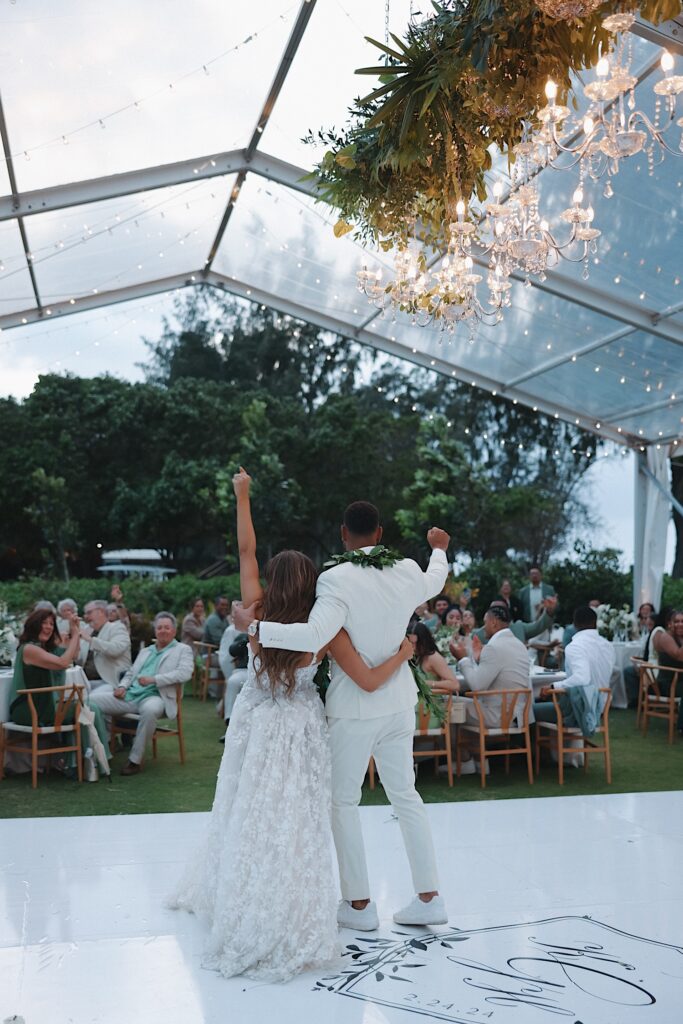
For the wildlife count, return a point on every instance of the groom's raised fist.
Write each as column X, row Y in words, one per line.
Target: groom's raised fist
column 437, row 538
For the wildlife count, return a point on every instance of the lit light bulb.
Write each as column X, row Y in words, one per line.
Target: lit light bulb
column 544, row 225
column 498, row 189
column 588, row 125
column 667, row 62
column 468, row 263
column 378, row 275
column 602, row 68
column 577, row 198
column 460, row 209
column 550, row 90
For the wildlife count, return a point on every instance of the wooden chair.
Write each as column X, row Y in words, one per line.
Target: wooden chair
column 127, row 725
column 201, row 676
column 70, row 696
column 425, row 728
column 652, row 703
column 549, row 734
column 514, row 721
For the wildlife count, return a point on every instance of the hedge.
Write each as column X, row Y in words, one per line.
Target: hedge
column 141, row 594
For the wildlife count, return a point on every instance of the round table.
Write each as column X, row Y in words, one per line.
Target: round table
column 623, row 652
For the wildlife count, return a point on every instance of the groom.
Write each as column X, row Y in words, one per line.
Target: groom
column 374, row 605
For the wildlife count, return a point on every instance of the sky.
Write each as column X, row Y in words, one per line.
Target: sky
column 111, row 340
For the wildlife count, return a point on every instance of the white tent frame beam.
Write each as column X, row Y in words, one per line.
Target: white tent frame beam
column 320, row 319
column 114, row 186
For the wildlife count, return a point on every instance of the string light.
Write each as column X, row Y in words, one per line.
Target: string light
column 169, row 86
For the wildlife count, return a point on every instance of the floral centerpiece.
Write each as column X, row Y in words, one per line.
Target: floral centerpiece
column 442, row 639
column 617, row 623
column 10, row 627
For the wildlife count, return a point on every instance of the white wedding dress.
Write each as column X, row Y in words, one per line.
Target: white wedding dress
column 263, row 878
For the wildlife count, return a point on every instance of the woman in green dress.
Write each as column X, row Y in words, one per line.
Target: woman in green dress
column 40, row 663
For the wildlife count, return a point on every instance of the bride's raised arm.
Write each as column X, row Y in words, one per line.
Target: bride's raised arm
column 250, row 583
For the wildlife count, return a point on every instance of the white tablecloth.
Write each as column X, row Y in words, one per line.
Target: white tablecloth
column 623, row 652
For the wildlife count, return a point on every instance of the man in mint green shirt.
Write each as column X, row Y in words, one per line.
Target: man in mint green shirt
column 148, row 688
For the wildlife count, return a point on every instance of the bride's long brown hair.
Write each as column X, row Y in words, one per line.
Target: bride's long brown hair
column 289, row 595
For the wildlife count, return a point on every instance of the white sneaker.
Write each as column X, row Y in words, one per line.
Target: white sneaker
column 358, row 920
column 472, row 767
column 420, row 913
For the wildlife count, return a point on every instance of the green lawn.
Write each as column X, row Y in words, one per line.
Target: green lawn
column 638, row 765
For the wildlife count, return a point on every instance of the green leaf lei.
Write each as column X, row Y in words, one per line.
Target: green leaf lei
column 380, row 557
column 426, row 695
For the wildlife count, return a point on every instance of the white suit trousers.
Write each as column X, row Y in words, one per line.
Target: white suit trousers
column 389, row 739
column 150, row 710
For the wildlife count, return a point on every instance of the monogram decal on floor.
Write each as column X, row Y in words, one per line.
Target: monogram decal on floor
column 571, row 968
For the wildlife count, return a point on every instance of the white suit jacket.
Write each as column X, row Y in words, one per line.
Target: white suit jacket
column 503, row 665
column 374, row 606
column 111, row 651
column 174, row 666
column 589, row 661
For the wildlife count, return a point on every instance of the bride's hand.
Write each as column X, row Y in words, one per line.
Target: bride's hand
column 241, row 482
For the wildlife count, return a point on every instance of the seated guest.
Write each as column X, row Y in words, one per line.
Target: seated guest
column 148, row 687
column 107, row 646
column 43, row 606
column 589, row 664
column 667, row 645
column 646, row 612
column 452, row 620
column 505, row 594
column 215, row 625
column 238, row 676
column 657, row 623
column 230, row 635
column 570, row 630
column 525, row 631
column 532, row 595
column 441, row 604
column 501, row 664
column 432, row 663
column 193, row 623
column 117, row 603
column 469, row 624
column 40, row 664
column 66, row 610
column 424, row 614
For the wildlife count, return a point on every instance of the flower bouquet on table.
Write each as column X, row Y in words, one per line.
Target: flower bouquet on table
column 616, row 623
column 10, row 628
column 442, row 639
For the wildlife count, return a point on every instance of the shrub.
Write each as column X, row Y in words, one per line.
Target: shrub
column 142, row 595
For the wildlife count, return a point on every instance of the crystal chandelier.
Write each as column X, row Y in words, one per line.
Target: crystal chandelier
column 510, row 234
column 612, row 129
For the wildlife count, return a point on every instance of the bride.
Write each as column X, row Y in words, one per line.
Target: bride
column 263, row 879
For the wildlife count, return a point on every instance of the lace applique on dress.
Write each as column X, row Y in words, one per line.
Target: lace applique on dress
column 263, row 879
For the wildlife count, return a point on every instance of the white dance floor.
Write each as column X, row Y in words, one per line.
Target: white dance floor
column 560, row 909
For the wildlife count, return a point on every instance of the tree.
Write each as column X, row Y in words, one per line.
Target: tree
column 51, row 513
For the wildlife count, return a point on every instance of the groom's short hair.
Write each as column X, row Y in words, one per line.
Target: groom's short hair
column 361, row 519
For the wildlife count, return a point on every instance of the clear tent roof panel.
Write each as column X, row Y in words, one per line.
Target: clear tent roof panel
column 69, row 65
column 15, row 284
column 120, row 242
column 333, row 47
column 281, row 241
column 629, row 374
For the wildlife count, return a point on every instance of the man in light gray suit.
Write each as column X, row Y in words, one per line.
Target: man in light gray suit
column 105, row 647
column 148, row 688
column 503, row 664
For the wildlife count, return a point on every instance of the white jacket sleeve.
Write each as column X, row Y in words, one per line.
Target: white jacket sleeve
column 327, row 617
column 481, row 676
column 578, row 667
column 181, row 671
column 434, row 577
column 117, row 644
